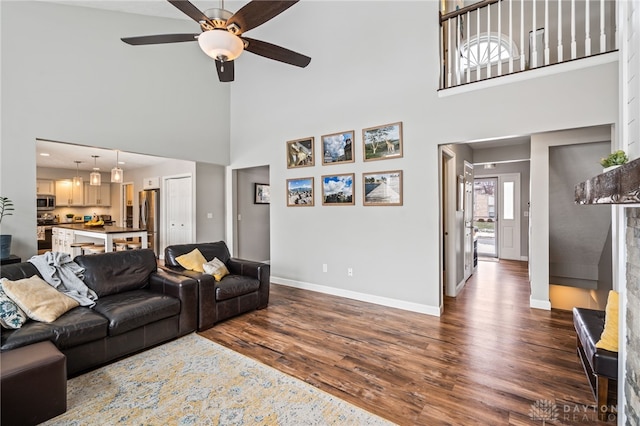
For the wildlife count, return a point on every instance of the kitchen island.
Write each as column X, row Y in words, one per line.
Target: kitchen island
column 70, row 233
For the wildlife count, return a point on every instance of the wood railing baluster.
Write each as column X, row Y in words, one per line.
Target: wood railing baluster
column 603, row 36
column 522, row 62
column 488, row 33
column 587, row 30
column 546, row 32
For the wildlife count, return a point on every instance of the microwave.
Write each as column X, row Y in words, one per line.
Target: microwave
column 45, row 202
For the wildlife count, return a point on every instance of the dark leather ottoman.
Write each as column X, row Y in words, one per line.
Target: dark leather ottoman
column 34, row 384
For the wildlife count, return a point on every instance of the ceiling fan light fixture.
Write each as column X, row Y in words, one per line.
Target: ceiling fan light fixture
column 221, row 45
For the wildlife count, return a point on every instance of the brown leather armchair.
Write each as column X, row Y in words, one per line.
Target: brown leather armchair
column 246, row 287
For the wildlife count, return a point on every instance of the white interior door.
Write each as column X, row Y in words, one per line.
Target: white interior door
column 509, row 216
column 468, row 219
column 179, row 210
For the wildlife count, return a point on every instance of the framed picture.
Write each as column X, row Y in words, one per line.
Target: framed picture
column 300, row 192
column 262, row 193
column 337, row 190
column 382, row 142
column 382, row 188
column 300, row 153
column 338, row 148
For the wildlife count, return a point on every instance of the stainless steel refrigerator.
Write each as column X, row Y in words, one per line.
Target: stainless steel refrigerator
column 150, row 217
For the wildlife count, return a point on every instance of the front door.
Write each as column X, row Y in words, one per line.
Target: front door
column 509, row 216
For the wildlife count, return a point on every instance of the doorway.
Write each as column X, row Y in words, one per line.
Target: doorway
column 484, row 215
column 448, row 221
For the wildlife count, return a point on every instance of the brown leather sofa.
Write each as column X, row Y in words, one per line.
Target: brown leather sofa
column 246, row 287
column 138, row 307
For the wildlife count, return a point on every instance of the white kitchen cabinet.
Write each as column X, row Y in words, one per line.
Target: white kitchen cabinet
column 45, row 187
column 61, row 240
column 97, row 195
column 69, row 195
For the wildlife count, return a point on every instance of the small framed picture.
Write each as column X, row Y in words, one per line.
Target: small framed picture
column 262, row 193
column 382, row 142
column 300, row 153
column 300, row 192
column 338, row 148
column 337, row 190
column 382, row 188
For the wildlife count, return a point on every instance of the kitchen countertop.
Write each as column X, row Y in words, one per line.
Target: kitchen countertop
column 98, row 229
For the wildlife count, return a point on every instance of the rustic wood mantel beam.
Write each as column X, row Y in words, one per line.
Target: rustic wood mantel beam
column 617, row 186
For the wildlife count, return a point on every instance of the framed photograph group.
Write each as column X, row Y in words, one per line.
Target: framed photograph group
column 300, row 153
column 337, row 190
column 382, row 188
column 300, row 192
column 382, row 142
column 338, row 148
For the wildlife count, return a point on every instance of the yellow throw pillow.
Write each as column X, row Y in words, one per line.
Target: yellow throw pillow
column 37, row 299
column 609, row 337
column 217, row 268
column 192, row 261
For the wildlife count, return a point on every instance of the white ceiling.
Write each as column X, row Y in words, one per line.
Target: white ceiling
column 63, row 155
column 161, row 8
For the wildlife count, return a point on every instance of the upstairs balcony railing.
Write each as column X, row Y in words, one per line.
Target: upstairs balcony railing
column 493, row 38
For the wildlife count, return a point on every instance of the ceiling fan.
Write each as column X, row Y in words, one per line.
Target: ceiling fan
column 222, row 34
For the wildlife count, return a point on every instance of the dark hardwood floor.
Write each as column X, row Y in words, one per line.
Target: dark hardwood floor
column 487, row 360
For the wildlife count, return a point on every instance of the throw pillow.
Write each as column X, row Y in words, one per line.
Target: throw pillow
column 217, row 268
column 192, row 261
column 609, row 337
column 11, row 316
column 37, row 299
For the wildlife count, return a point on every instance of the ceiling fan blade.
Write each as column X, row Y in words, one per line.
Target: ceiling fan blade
column 257, row 12
column 225, row 70
column 190, row 10
column 159, row 39
column 274, row 52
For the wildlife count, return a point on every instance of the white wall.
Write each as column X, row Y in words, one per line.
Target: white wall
column 375, row 65
column 67, row 76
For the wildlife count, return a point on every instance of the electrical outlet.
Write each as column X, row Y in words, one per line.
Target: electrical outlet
column 324, row 267
column 350, row 272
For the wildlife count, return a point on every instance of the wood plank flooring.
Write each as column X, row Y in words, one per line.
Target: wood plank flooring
column 485, row 361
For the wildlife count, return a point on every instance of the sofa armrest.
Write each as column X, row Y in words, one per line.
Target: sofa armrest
column 183, row 288
column 258, row 270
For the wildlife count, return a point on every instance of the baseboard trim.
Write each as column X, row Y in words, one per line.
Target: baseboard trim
column 524, row 258
column 378, row 300
column 540, row 304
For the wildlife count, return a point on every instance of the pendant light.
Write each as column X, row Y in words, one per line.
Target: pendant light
column 116, row 173
column 77, row 180
column 95, row 179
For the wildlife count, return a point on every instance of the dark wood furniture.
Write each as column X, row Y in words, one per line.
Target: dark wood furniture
column 11, row 259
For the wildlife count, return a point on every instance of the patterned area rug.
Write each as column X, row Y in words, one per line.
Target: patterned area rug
column 193, row 381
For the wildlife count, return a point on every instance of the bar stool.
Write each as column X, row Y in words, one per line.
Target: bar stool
column 133, row 245
column 94, row 249
column 78, row 248
column 120, row 244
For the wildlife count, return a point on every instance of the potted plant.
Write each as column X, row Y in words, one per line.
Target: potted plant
column 69, row 217
column 614, row 160
column 6, row 209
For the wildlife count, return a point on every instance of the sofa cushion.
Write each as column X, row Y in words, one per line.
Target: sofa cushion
column 609, row 337
column 31, row 332
column 79, row 325
column 116, row 272
column 234, row 286
column 217, row 249
column 589, row 324
column 38, row 299
column 192, row 261
column 132, row 309
column 216, row 267
column 11, row 316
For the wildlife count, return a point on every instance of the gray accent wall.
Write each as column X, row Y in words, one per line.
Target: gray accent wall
column 349, row 85
column 253, row 236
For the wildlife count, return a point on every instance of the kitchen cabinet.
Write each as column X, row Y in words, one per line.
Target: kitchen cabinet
column 61, row 240
column 97, row 195
column 69, row 195
column 45, row 187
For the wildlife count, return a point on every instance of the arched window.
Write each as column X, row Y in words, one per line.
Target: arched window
column 486, row 49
